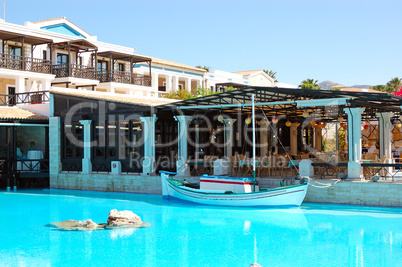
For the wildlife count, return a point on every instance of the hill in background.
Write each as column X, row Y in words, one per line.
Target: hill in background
column 329, row 84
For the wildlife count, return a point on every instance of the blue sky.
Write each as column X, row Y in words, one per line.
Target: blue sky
column 349, row 42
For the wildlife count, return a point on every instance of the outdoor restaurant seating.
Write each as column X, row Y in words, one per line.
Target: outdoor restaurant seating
column 325, row 165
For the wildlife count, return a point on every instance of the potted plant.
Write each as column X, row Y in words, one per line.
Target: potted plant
column 32, row 144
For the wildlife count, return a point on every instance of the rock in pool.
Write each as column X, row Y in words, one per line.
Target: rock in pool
column 124, row 219
column 116, row 219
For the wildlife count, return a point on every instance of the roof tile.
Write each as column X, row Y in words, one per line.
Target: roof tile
column 7, row 113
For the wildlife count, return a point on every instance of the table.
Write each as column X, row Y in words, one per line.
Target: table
column 200, row 167
column 33, row 156
column 382, row 169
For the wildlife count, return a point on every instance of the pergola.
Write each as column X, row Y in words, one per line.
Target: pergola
column 133, row 59
column 78, row 46
column 291, row 102
column 6, row 36
column 298, row 105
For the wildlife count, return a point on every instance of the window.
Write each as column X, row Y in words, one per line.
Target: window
column 111, row 148
column 80, row 60
column 100, row 140
column 121, row 67
column 73, row 131
column 62, row 59
column 44, row 55
column 15, row 50
column 102, row 65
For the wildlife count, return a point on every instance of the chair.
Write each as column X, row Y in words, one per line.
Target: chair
column 248, row 166
column 380, row 170
column 304, row 156
column 234, row 165
column 208, row 163
column 265, row 166
column 279, row 165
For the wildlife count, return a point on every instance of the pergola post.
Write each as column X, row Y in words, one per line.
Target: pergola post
column 181, row 165
column 354, row 142
column 148, row 163
column 86, row 160
column 317, row 139
column 228, row 130
column 264, row 139
column 293, row 139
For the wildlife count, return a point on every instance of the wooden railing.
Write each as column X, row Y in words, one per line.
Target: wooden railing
column 124, row 77
column 37, row 97
column 25, row 63
column 24, row 166
column 74, row 70
column 329, row 169
column 71, row 167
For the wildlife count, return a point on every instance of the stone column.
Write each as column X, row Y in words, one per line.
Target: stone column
column 46, row 84
column 199, row 83
column 20, row 85
column 168, row 83
column 188, row 84
column 385, row 128
column 181, row 165
column 228, row 137
column 155, row 81
column 54, row 150
column 354, row 142
column 148, row 163
column 317, row 139
column 293, row 139
column 86, row 160
column 175, row 83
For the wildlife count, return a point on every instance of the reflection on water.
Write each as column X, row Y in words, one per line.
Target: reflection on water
column 123, row 232
column 183, row 234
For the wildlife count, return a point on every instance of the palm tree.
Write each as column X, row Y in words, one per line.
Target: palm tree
column 310, row 84
column 203, row 67
column 394, row 85
column 271, row 74
column 381, row 88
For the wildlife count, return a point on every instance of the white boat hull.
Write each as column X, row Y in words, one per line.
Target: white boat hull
column 282, row 196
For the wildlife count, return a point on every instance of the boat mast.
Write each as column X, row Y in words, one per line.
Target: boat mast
column 253, row 120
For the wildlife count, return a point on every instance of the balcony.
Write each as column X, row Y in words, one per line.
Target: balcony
column 74, row 70
column 124, row 77
column 25, row 63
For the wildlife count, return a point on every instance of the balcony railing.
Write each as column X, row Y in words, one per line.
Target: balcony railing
column 74, row 70
column 25, row 98
column 124, row 77
column 25, row 63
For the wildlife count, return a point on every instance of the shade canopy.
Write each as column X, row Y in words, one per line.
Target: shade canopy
column 275, row 101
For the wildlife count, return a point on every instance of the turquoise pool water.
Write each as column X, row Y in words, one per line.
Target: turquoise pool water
column 186, row 235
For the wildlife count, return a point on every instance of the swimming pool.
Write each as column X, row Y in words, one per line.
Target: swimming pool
column 182, row 234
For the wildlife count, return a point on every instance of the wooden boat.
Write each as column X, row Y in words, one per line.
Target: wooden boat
column 277, row 197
